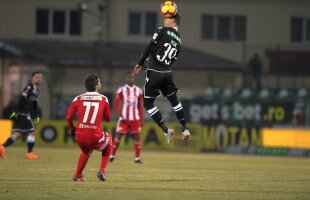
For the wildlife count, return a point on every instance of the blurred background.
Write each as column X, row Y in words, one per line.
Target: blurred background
column 244, row 68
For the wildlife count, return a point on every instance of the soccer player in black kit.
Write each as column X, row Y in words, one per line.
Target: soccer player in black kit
column 158, row 58
column 23, row 124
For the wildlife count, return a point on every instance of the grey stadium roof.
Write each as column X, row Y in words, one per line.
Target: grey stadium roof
column 80, row 54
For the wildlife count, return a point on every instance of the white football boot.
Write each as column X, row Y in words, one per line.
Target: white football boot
column 186, row 135
column 169, row 135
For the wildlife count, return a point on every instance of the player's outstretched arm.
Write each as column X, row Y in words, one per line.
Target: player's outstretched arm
column 156, row 37
column 144, row 56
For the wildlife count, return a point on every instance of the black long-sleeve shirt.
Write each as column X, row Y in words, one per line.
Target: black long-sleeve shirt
column 28, row 101
column 163, row 49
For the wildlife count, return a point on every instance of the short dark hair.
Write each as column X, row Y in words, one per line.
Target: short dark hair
column 91, row 82
column 177, row 18
column 34, row 73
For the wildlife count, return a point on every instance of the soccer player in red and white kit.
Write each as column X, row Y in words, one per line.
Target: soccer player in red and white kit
column 130, row 115
column 91, row 108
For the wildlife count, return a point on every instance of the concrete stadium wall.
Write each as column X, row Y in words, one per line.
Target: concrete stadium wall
column 266, row 29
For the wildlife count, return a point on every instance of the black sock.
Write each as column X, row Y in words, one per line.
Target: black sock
column 181, row 117
column 8, row 142
column 164, row 127
column 178, row 109
column 159, row 121
column 155, row 114
column 30, row 146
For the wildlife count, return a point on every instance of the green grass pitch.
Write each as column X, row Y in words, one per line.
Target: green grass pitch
column 164, row 175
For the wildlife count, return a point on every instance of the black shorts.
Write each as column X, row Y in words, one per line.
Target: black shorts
column 156, row 81
column 23, row 124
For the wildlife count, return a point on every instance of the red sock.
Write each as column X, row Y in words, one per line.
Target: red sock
column 82, row 162
column 138, row 148
column 105, row 156
column 115, row 146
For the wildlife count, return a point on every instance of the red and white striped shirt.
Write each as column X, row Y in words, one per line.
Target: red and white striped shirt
column 131, row 99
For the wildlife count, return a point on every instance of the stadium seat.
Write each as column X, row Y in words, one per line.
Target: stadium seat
column 209, row 92
column 302, row 93
column 264, row 93
column 246, row 93
column 283, row 93
column 227, row 93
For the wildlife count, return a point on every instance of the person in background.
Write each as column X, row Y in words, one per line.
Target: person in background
column 129, row 107
column 26, row 117
column 91, row 108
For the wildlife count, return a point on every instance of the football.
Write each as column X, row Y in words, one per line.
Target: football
column 168, row 9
